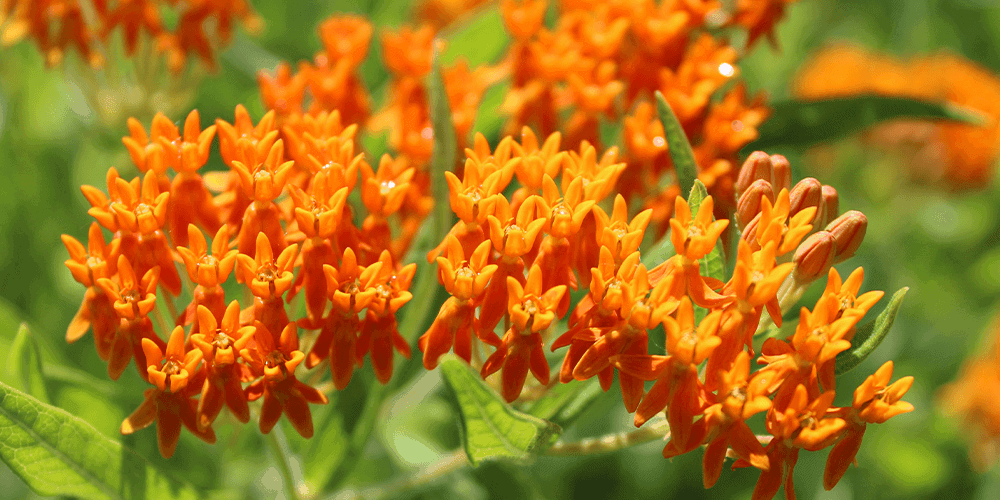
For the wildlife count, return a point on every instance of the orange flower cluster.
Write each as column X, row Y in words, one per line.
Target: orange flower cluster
column 972, row 398
column 304, row 243
column 56, row 25
column 603, row 61
column 514, row 259
column 961, row 154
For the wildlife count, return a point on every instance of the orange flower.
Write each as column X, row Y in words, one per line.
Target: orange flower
column 532, row 311
column 268, row 279
column 169, row 404
column 379, row 331
column 220, row 347
column 275, row 360
column 88, row 265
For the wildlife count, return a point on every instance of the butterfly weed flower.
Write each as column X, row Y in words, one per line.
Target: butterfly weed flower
column 88, row 265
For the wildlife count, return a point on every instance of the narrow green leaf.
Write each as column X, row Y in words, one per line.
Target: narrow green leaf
column 56, row 453
column 491, row 429
column 445, row 146
column 677, row 142
column 870, row 335
column 801, row 123
column 662, row 251
column 696, row 195
column 24, row 365
column 712, row 265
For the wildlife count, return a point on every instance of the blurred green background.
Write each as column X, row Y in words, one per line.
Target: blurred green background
column 942, row 244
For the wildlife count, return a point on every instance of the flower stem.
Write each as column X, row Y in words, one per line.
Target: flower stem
column 281, row 461
column 656, row 429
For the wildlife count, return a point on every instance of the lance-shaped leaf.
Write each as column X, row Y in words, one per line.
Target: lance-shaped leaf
column 870, row 335
column 678, row 145
column 564, row 403
column 24, row 365
column 802, row 123
column 56, row 453
column 490, row 428
column 445, row 145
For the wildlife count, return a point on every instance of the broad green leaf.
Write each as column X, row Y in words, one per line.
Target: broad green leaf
column 24, row 365
column 445, row 145
column 679, row 147
column 563, row 403
column 491, row 429
column 56, row 453
column 870, row 335
column 801, row 123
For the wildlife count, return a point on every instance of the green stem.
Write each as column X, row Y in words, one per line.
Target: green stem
column 281, row 461
column 449, row 463
column 656, row 429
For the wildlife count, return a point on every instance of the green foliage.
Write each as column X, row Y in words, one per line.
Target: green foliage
column 491, row 429
column 445, row 146
column 803, row 123
column 24, row 365
column 870, row 335
column 564, row 403
column 59, row 454
column 678, row 144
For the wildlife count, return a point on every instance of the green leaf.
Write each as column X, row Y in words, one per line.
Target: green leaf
column 56, row 453
column 802, row 123
column 445, row 146
column 491, row 429
column 679, row 147
column 563, row 403
column 870, row 335
column 24, row 365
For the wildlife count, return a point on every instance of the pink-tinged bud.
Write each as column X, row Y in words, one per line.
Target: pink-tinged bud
column 807, row 193
column 849, row 231
column 781, row 173
column 749, row 205
column 750, row 232
column 831, row 205
column 815, row 256
column 757, row 166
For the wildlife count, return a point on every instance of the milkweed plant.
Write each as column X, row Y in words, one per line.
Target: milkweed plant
column 605, row 226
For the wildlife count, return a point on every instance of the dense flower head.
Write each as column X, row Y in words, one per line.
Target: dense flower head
column 319, row 235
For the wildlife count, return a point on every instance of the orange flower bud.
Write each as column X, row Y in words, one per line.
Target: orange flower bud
column 807, row 193
column 749, row 205
column 831, row 204
column 814, row 256
column 781, row 172
column 849, row 231
column 757, row 166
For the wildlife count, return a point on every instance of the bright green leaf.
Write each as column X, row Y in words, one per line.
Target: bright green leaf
column 870, row 335
column 679, row 147
column 24, row 365
column 56, row 453
column 491, row 429
column 802, row 123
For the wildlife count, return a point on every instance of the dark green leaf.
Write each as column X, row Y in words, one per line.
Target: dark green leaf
column 677, row 142
column 24, row 365
column 445, row 146
column 801, row 123
column 491, row 429
column 56, row 453
column 870, row 335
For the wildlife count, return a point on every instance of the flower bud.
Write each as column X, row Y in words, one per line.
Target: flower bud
column 849, row 231
column 781, row 173
column 750, row 232
column 831, row 205
column 815, row 256
column 749, row 204
column 757, row 166
column 807, row 193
